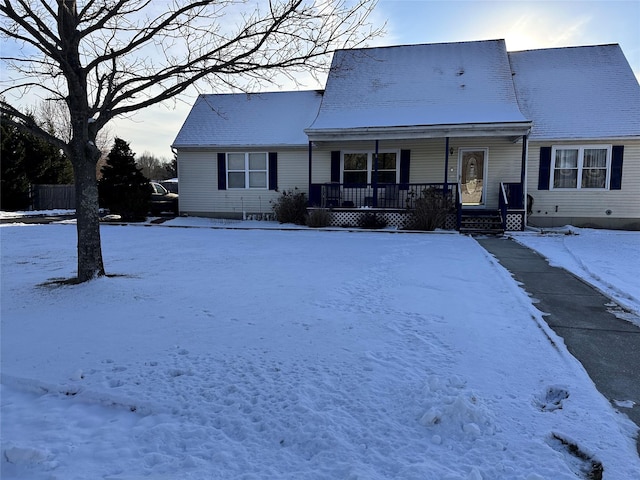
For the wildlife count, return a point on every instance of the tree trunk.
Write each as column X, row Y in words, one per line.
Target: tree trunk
column 90, row 263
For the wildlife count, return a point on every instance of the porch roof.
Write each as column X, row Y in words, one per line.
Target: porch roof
column 432, row 90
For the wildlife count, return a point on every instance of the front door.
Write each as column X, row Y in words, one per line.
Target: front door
column 472, row 165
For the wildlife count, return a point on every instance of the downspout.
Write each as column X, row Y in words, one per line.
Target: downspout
column 310, row 158
column 523, row 177
column 446, row 166
column 375, row 177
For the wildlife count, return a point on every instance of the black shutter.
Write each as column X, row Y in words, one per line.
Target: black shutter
column 617, row 152
column 405, row 158
column 544, row 170
column 222, row 171
column 273, row 171
column 335, row 166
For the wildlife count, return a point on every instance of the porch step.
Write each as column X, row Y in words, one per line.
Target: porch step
column 481, row 222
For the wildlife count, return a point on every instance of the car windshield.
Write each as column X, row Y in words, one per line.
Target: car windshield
column 160, row 189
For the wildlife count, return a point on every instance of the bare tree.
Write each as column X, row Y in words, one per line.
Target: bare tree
column 56, row 115
column 108, row 58
column 152, row 167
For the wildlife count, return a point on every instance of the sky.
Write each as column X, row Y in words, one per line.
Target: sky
column 524, row 25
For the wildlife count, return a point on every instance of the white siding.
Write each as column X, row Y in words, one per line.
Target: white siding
column 199, row 194
column 428, row 160
column 198, row 172
column 583, row 207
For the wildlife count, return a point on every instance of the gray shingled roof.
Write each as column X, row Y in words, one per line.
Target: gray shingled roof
column 257, row 119
column 413, row 85
column 577, row 92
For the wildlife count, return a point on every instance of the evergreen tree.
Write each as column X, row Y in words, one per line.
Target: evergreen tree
column 13, row 178
column 123, row 189
column 28, row 160
column 172, row 168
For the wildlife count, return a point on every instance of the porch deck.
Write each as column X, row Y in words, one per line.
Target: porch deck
column 395, row 204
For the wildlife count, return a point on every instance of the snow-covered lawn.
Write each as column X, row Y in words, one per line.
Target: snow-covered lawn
column 269, row 354
column 607, row 259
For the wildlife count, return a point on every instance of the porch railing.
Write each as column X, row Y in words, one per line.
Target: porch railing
column 459, row 206
column 511, row 199
column 393, row 196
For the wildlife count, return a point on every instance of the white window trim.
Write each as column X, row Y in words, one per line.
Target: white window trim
column 370, row 166
column 247, row 171
column 581, row 149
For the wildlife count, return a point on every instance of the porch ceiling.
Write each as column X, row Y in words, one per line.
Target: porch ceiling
column 509, row 129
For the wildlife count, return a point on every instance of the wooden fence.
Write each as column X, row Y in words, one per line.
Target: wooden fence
column 53, row 197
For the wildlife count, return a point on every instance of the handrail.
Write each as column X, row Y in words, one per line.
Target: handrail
column 459, row 205
column 504, row 205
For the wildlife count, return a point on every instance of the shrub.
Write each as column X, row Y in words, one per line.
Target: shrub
column 319, row 218
column 431, row 210
column 372, row 221
column 291, row 207
column 123, row 189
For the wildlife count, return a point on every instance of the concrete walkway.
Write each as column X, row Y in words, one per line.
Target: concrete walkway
column 607, row 347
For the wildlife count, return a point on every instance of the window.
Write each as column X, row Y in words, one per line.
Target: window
column 247, row 170
column 359, row 167
column 580, row 167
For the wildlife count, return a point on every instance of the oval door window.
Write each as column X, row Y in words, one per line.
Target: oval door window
column 471, row 175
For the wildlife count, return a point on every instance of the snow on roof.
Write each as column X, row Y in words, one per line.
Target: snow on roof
column 577, row 92
column 256, row 119
column 414, row 85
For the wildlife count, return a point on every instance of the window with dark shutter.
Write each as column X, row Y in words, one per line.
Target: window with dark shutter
column 273, row 170
column 544, row 169
column 222, row 171
column 335, row 166
column 405, row 158
column 617, row 152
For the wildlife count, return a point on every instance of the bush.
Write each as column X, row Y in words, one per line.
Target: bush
column 372, row 221
column 123, row 189
column 431, row 210
column 319, row 218
column 291, row 207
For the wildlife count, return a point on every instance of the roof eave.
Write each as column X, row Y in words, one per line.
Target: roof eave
column 240, row 146
column 503, row 129
column 588, row 138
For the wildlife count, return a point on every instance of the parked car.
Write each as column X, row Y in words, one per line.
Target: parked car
column 162, row 200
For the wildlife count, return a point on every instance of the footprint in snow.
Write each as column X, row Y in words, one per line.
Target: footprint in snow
column 552, row 399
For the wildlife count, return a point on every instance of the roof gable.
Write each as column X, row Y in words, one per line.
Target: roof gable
column 431, row 84
column 577, row 92
column 256, row 119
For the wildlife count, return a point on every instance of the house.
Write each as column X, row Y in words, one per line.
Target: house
column 583, row 165
column 236, row 151
column 497, row 133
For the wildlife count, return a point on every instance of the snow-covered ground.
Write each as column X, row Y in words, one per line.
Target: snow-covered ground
column 34, row 213
column 275, row 354
column 607, row 259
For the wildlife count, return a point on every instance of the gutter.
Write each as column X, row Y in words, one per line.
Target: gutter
column 421, row 131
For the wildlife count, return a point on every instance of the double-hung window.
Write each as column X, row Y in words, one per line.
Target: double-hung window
column 359, row 167
column 580, row 167
column 247, row 170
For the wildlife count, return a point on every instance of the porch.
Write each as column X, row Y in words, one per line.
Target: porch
column 395, row 204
